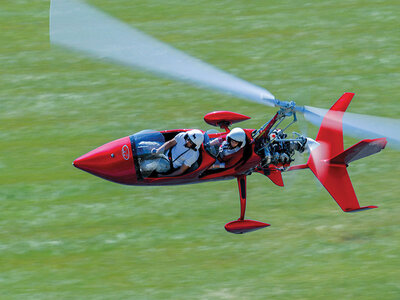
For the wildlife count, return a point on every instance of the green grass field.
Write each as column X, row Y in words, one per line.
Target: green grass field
column 65, row 234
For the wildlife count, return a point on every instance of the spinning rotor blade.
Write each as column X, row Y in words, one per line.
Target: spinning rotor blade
column 79, row 26
column 360, row 126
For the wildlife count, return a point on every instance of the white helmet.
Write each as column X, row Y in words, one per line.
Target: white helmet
column 238, row 135
column 196, row 137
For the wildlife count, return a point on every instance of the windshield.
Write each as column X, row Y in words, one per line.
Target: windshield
column 142, row 144
column 145, row 140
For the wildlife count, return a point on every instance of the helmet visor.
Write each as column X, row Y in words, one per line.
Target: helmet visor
column 192, row 144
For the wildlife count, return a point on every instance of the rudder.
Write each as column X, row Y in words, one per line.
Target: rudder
column 329, row 161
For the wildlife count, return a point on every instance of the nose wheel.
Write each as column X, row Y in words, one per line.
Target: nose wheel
column 241, row 225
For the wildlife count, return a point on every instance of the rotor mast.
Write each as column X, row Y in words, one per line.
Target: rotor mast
column 287, row 109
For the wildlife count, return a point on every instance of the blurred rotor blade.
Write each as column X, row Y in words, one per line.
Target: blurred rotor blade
column 79, row 26
column 360, row 126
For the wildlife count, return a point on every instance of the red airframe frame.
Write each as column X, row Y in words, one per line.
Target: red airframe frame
column 117, row 161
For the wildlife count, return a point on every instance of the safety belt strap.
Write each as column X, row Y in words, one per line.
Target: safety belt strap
column 171, row 162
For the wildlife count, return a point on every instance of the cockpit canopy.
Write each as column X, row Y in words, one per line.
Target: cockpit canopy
column 144, row 141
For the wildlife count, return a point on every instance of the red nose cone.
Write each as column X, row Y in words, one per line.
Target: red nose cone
column 112, row 161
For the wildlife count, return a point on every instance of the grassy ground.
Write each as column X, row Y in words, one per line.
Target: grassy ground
column 65, row 234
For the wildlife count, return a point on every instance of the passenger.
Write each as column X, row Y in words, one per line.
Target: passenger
column 235, row 140
column 183, row 153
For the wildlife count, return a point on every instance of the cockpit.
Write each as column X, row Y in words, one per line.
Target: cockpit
column 144, row 142
column 146, row 162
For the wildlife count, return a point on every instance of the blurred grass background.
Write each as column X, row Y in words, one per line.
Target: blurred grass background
column 66, row 234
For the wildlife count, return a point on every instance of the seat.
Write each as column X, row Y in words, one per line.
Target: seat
column 197, row 163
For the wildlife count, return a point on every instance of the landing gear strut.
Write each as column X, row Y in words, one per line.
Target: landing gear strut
column 241, row 225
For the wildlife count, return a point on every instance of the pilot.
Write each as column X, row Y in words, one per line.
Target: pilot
column 235, row 140
column 183, row 153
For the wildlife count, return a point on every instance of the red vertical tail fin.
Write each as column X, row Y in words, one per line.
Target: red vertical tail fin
column 329, row 161
column 330, row 133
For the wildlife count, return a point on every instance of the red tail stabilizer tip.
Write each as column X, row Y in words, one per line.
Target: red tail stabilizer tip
column 329, row 161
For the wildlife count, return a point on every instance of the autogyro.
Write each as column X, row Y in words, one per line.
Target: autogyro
column 267, row 150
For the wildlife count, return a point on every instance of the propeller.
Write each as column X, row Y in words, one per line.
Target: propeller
column 81, row 27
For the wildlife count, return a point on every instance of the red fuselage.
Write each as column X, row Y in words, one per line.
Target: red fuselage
column 117, row 161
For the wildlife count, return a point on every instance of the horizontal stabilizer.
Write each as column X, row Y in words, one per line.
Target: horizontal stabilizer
column 362, row 208
column 360, row 150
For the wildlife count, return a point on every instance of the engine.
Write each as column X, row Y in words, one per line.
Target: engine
column 277, row 149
